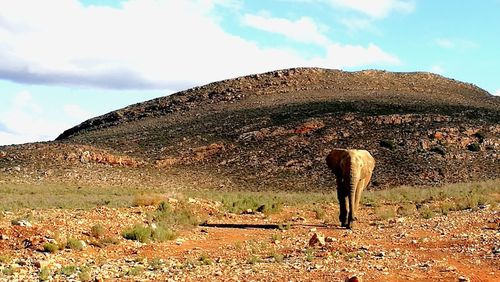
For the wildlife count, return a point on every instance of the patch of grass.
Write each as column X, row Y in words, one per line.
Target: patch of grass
column 68, row 270
column 406, row 209
column 205, row 260
column 277, row 257
column 426, row 212
column 285, row 226
column 74, row 244
column 319, row 212
column 181, row 216
column 97, row 230
column 44, row 274
column 254, row 259
column 309, row 254
column 5, row 258
column 276, row 237
column 238, row 203
column 106, row 241
column 466, row 193
column 385, row 212
column 139, row 233
column 156, row 263
column 50, row 247
column 134, row 271
column 85, row 274
column 17, row 196
column 480, row 135
column 141, row 200
column 9, row 271
column 162, row 234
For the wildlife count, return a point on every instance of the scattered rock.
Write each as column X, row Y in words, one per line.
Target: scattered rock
column 317, row 239
column 22, row 222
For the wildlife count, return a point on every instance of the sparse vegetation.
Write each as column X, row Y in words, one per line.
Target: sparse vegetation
column 134, row 271
column 74, row 244
column 319, row 212
column 389, row 144
column 97, row 231
column 8, row 271
column 385, row 212
column 50, row 247
column 182, row 216
column 139, row 233
column 474, row 147
column 44, row 274
column 85, row 274
column 68, row 270
column 205, row 260
column 156, row 264
column 148, row 199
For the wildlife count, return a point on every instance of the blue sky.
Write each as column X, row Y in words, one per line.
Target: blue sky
column 64, row 61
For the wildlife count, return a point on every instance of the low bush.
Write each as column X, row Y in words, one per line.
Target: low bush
column 139, row 233
column 389, row 144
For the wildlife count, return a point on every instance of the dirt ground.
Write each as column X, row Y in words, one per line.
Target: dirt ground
column 462, row 246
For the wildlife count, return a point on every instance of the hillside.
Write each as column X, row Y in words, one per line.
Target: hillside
column 272, row 131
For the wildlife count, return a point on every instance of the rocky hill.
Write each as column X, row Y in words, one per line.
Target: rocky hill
column 272, row 131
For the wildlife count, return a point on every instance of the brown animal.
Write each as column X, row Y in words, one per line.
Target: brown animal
column 353, row 170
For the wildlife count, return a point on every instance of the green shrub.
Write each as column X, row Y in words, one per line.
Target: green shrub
column 182, row 216
column 44, row 274
column 50, row 247
column 97, row 230
column 319, row 212
column 426, row 212
column 205, row 260
column 480, row 135
column 156, row 263
column 389, row 144
column 74, row 244
column 474, row 147
column 161, row 234
column 138, row 232
column 68, row 270
column 385, row 212
column 406, row 209
column 253, row 259
column 277, row 257
column 9, row 271
column 85, row 274
column 134, row 271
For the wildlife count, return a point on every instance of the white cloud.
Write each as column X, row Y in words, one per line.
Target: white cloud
column 437, row 69
column 76, row 112
column 376, row 9
column 337, row 55
column 357, row 23
column 456, row 43
column 302, row 30
column 144, row 44
column 497, row 93
column 26, row 121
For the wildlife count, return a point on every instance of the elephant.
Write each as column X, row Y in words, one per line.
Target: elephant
column 353, row 170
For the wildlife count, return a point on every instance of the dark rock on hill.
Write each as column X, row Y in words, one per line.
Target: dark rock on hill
column 273, row 130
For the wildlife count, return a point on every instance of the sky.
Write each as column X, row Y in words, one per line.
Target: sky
column 65, row 61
